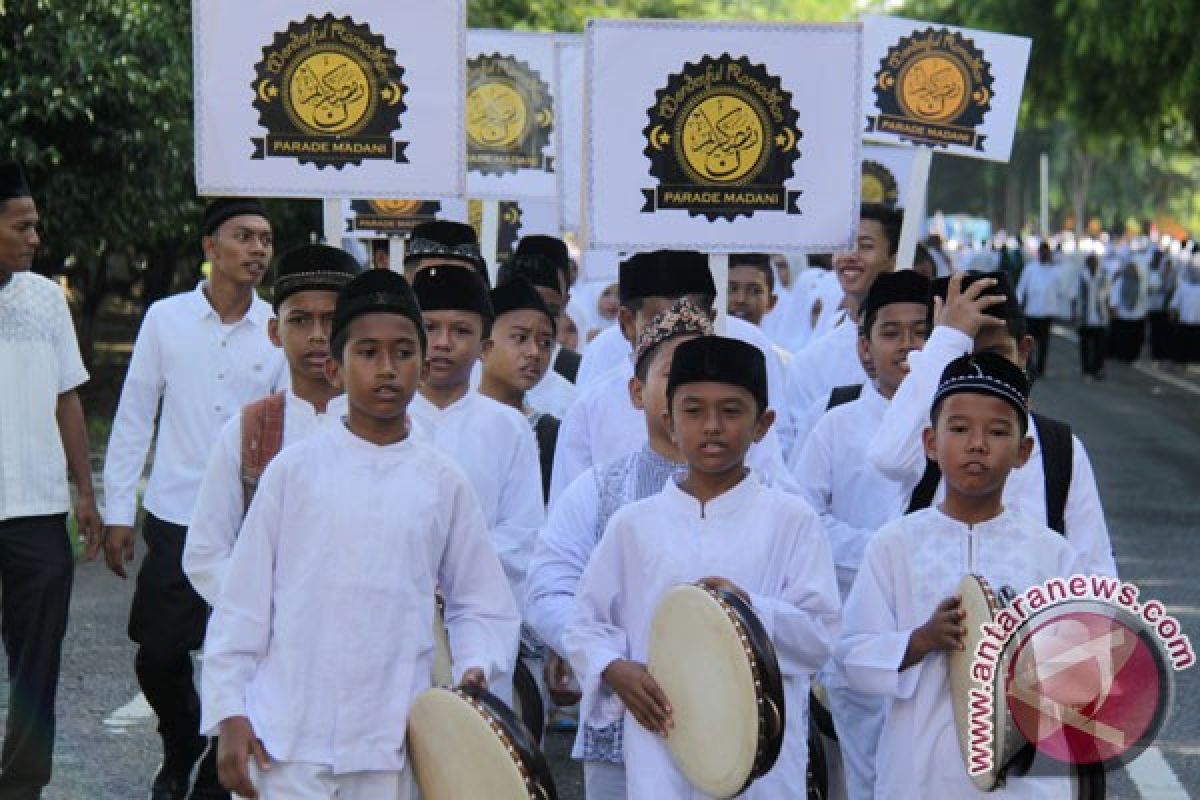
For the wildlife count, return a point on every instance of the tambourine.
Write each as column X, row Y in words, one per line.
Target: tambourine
column 467, row 745
column 711, row 656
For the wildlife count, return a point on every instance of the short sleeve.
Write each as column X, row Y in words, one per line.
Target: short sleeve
column 71, row 372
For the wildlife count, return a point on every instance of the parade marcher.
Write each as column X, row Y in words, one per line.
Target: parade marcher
column 491, row 442
column 832, row 359
column 852, row 498
column 751, row 287
column 1056, row 485
column 1040, row 295
column 321, row 637
column 543, row 261
column 1128, row 303
column 1185, row 310
column 307, row 281
column 602, row 424
column 516, row 356
column 44, row 438
column 1091, row 312
column 720, row 526
column 1159, row 285
column 202, row 355
column 443, row 243
column 579, row 517
column 903, row 613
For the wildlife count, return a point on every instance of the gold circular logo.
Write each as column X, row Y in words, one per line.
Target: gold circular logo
column 329, row 93
column 934, row 88
column 872, row 189
column 497, row 115
column 723, row 138
column 395, row 208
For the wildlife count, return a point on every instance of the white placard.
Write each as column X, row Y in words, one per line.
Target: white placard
column 570, row 131
column 511, row 115
column 600, row 265
column 296, row 98
column 721, row 136
column 886, row 170
column 378, row 218
column 940, row 86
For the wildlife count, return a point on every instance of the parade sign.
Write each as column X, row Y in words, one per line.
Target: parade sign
column 570, row 130
column 303, row 99
column 510, row 114
column 721, row 136
column 386, row 217
column 886, row 173
column 939, row 86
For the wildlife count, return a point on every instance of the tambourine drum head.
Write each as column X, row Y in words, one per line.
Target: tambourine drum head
column 698, row 658
column 455, row 753
column 1088, row 684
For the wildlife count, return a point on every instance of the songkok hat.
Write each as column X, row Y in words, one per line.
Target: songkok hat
column 685, row 318
column 452, row 289
column 12, row 181
column 985, row 373
column 224, row 208
column 901, row 286
column 445, row 239
column 519, row 294
column 377, row 290
column 720, row 360
column 542, row 260
column 1007, row 310
column 313, row 266
column 665, row 273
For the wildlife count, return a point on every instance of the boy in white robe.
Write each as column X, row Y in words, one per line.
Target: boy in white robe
column 979, row 314
column 321, row 637
column 853, row 498
column 307, row 280
column 579, row 518
column 718, row 525
column 903, row 614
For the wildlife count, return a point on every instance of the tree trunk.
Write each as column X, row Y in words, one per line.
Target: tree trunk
column 1083, row 165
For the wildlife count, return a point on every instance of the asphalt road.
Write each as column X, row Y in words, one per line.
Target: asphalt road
column 1143, row 436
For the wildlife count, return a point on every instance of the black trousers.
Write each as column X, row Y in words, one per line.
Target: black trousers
column 1039, row 329
column 36, row 571
column 167, row 620
column 1128, row 337
column 1160, row 335
column 1092, row 348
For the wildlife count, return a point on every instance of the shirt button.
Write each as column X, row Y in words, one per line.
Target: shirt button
column 220, row 376
column 218, row 409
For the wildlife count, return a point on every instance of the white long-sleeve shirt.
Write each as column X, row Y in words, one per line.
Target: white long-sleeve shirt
column 321, row 635
column 826, row 363
column 911, row 565
column 852, row 498
column 221, row 503
column 203, row 373
column 1186, row 302
column 897, row 451
column 1091, row 302
column 603, row 425
column 1040, row 290
column 768, row 543
column 496, row 448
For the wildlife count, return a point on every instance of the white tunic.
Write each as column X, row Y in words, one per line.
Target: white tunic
column 203, row 373
column 1040, row 290
column 39, row 358
column 825, row 364
column 851, row 496
column 603, row 425
column 496, row 448
column 767, row 542
column 553, row 394
column 911, row 565
column 897, row 451
column 1186, row 302
column 221, row 504
column 322, row 634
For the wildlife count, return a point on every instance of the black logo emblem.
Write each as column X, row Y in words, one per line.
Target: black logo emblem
column 509, row 116
column 879, row 185
column 330, row 93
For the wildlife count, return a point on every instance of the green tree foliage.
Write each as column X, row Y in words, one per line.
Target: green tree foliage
column 563, row 15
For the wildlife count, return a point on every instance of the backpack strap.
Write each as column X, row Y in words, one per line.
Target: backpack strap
column 262, row 439
column 926, row 488
column 1058, row 462
column 844, row 394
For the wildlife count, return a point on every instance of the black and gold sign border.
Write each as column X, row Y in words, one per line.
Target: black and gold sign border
column 528, row 152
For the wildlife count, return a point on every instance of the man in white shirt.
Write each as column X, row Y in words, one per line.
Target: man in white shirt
column 307, row 280
column 44, row 436
column 202, row 355
column 1091, row 312
column 832, row 359
column 1039, row 293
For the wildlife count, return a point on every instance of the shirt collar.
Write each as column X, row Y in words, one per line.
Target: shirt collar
column 996, row 524
column 259, row 312
column 359, row 446
column 731, row 502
